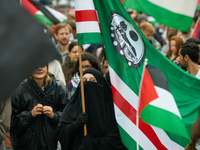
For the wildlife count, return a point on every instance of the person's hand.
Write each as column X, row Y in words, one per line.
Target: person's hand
column 176, row 61
column 47, row 110
column 37, row 110
column 82, row 119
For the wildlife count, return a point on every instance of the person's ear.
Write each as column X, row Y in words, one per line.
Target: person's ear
column 186, row 57
column 69, row 54
column 55, row 35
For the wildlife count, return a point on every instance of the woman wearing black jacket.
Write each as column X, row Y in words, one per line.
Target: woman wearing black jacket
column 36, row 107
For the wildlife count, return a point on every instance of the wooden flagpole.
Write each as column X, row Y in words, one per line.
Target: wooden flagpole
column 82, row 87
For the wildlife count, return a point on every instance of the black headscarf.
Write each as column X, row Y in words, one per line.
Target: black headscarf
column 101, row 128
column 46, row 100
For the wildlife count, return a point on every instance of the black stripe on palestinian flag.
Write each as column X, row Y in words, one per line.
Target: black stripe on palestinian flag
column 46, row 12
column 158, row 77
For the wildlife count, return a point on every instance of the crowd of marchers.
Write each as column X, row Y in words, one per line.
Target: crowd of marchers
column 45, row 111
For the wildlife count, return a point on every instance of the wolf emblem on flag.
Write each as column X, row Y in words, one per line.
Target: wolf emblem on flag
column 127, row 42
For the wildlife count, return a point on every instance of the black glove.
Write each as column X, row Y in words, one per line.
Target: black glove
column 82, row 119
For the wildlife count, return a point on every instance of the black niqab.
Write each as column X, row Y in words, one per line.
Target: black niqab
column 102, row 131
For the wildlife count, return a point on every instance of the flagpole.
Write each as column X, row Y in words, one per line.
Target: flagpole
column 137, row 120
column 82, row 87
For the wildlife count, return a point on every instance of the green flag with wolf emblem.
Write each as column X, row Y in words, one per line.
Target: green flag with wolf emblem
column 126, row 48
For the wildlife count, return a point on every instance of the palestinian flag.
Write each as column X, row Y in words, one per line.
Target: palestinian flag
column 196, row 29
column 126, row 48
column 44, row 14
column 157, row 102
column 177, row 14
column 198, row 5
column 87, row 23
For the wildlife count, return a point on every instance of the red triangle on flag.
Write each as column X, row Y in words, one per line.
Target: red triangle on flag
column 147, row 91
column 29, row 7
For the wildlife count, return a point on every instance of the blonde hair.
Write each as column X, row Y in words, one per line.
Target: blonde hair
column 47, row 79
column 62, row 25
column 147, row 26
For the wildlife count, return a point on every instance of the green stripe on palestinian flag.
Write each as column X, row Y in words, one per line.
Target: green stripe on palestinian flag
column 87, row 23
column 50, row 17
column 177, row 14
column 157, row 105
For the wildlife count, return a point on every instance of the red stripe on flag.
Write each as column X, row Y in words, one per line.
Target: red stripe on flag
column 29, row 7
column 86, row 15
column 130, row 113
column 198, row 3
column 148, row 92
column 196, row 29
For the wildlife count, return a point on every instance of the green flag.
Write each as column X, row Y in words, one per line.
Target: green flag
column 177, row 14
column 126, row 48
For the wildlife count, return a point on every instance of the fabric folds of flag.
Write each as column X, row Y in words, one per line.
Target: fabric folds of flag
column 157, row 105
column 87, row 23
column 43, row 14
column 176, row 14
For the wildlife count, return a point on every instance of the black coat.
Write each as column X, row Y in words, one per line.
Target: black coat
column 102, row 130
column 28, row 132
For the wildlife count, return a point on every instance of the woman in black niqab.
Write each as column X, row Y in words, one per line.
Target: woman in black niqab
column 102, row 130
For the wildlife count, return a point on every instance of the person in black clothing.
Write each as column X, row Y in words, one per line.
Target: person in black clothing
column 102, row 130
column 36, row 107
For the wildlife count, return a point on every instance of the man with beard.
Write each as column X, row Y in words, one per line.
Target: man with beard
column 62, row 35
column 188, row 58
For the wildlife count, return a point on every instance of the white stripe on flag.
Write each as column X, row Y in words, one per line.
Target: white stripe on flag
column 87, row 27
column 84, row 5
column 183, row 7
column 163, row 137
column 123, row 89
column 165, row 101
column 61, row 17
column 39, row 13
column 131, row 129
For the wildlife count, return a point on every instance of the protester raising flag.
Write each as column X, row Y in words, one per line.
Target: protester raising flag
column 177, row 14
column 126, row 48
column 44, row 14
column 87, row 23
column 157, row 102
